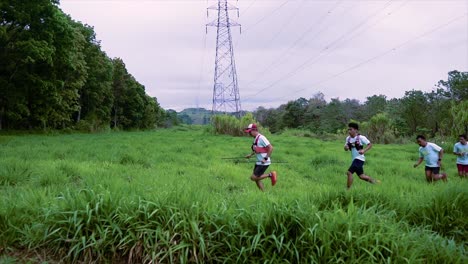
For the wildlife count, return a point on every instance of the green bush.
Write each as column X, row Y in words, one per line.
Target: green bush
column 230, row 125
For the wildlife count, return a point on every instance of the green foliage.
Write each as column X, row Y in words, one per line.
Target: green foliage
column 456, row 85
column 379, row 128
column 231, row 125
column 96, row 98
column 313, row 117
column 270, row 118
column 171, row 118
column 293, row 116
column 459, row 114
column 54, row 75
column 414, row 108
column 375, row 104
column 334, row 116
column 438, row 113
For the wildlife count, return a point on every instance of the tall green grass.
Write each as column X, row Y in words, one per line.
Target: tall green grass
column 230, row 125
column 166, row 196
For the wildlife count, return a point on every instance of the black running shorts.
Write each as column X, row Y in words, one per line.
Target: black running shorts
column 259, row 170
column 357, row 167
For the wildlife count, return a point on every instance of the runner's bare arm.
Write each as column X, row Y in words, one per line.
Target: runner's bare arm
column 419, row 162
column 362, row 151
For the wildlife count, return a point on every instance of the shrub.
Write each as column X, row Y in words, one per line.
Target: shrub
column 230, row 125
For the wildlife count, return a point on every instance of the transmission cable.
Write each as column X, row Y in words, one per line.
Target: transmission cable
column 314, row 25
column 247, row 8
column 327, row 49
column 382, row 54
column 303, row 65
column 283, row 26
column 268, row 14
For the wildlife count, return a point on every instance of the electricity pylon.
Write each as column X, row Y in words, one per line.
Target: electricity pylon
column 226, row 96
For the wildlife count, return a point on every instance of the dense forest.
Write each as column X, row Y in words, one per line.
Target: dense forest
column 441, row 112
column 54, row 75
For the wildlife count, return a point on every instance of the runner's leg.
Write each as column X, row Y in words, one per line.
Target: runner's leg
column 350, row 179
column 429, row 176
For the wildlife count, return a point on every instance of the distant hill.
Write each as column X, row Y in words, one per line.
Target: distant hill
column 195, row 116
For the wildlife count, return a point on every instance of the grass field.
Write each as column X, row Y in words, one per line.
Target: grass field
column 167, row 196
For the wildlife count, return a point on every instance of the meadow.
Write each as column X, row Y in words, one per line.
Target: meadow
column 168, row 196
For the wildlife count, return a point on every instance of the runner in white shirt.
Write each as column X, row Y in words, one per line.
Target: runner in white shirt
column 461, row 150
column 432, row 154
column 358, row 145
column 262, row 148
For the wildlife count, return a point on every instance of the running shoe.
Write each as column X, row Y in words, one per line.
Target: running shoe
column 273, row 178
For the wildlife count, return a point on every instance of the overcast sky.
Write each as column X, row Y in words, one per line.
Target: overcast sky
column 287, row 49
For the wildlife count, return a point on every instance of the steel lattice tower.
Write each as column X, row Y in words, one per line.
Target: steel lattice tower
column 226, row 90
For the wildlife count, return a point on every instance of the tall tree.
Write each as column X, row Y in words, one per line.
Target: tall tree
column 42, row 65
column 459, row 113
column 457, row 85
column 96, row 96
column 294, row 113
column 395, row 109
column 353, row 109
column 379, row 128
column 414, row 109
column 119, row 86
column 26, row 55
column 313, row 114
column 438, row 112
column 375, row 104
column 334, row 117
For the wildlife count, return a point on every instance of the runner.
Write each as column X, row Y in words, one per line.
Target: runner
column 432, row 154
column 358, row 145
column 461, row 150
column 262, row 148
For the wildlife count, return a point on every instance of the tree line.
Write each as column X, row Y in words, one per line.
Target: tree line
column 54, row 75
column 441, row 112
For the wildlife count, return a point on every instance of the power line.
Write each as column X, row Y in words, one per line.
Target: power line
column 378, row 21
column 247, row 8
column 283, row 26
column 315, row 58
column 335, row 44
column 382, row 54
column 268, row 14
column 264, row 17
column 392, row 49
column 319, row 21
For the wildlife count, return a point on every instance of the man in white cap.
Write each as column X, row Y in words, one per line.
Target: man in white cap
column 262, row 148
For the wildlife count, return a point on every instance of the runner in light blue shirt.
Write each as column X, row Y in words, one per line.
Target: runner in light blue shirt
column 461, row 150
column 432, row 154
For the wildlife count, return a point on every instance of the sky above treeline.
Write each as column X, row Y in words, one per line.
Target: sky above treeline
column 286, row 50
